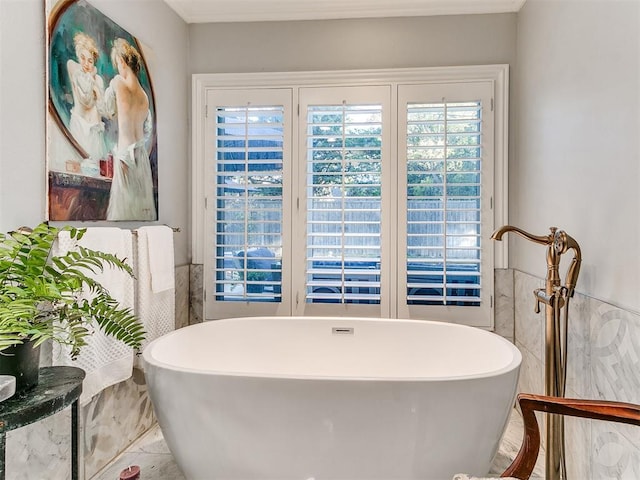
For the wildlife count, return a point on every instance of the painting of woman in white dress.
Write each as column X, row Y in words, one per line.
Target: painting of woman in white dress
column 87, row 87
column 131, row 196
column 102, row 160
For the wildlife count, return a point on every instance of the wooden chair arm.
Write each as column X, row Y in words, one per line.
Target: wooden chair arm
column 524, row 462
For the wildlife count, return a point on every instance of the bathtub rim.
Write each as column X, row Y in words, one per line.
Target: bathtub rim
column 514, row 364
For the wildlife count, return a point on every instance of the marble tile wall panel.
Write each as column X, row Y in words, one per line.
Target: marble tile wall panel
column 578, row 446
column 603, row 362
column 504, row 312
column 113, row 419
column 529, row 326
column 615, row 374
column 615, row 353
column 196, row 300
column 613, row 457
column 578, row 347
column 531, row 372
column 529, row 337
column 182, row 296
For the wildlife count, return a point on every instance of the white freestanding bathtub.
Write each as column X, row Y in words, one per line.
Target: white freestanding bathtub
column 331, row 398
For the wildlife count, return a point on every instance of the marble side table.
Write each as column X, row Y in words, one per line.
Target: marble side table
column 58, row 387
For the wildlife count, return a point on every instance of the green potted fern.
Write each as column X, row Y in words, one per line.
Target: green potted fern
column 44, row 297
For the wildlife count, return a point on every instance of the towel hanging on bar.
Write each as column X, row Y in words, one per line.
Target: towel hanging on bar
column 155, row 307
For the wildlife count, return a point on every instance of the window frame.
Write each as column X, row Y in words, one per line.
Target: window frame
column 497, row 75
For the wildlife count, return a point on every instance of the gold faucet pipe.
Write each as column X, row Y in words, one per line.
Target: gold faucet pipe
column 542, row 239
column 558, row 242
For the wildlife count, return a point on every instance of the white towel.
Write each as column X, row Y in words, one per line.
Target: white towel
column 161, row 263
column 105, row 359
column 156, row 310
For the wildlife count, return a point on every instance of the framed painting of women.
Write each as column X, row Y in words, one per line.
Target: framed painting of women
column 102, row 161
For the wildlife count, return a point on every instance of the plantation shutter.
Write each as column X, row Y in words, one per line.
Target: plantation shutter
column 249, row 182
column 249, row 203
column 343, row 147
column 444, row 236
column 344, row 151
column 443, row 207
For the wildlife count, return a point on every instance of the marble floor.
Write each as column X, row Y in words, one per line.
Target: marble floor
column 151, row 454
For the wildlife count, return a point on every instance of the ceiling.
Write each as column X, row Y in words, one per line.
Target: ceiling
column 208, row 11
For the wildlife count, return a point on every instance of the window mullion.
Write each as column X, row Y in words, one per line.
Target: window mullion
column 446, row 202
column 343, row 202
column 245, row 267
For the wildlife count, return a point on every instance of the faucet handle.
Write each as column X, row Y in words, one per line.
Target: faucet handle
column 555, row 299
column 536, row 293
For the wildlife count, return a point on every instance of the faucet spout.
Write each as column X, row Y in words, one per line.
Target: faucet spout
column 541, row 239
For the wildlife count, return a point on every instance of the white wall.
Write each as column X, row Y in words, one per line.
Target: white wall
column 22, row 113
column 577, row 162
column 22, row 108
column 352, row 44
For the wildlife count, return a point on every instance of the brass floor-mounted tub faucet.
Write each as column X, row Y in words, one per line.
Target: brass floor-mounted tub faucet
column 555, row 297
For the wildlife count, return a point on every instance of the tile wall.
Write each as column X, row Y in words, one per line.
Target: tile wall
column 504, row 302
column 603, row 363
